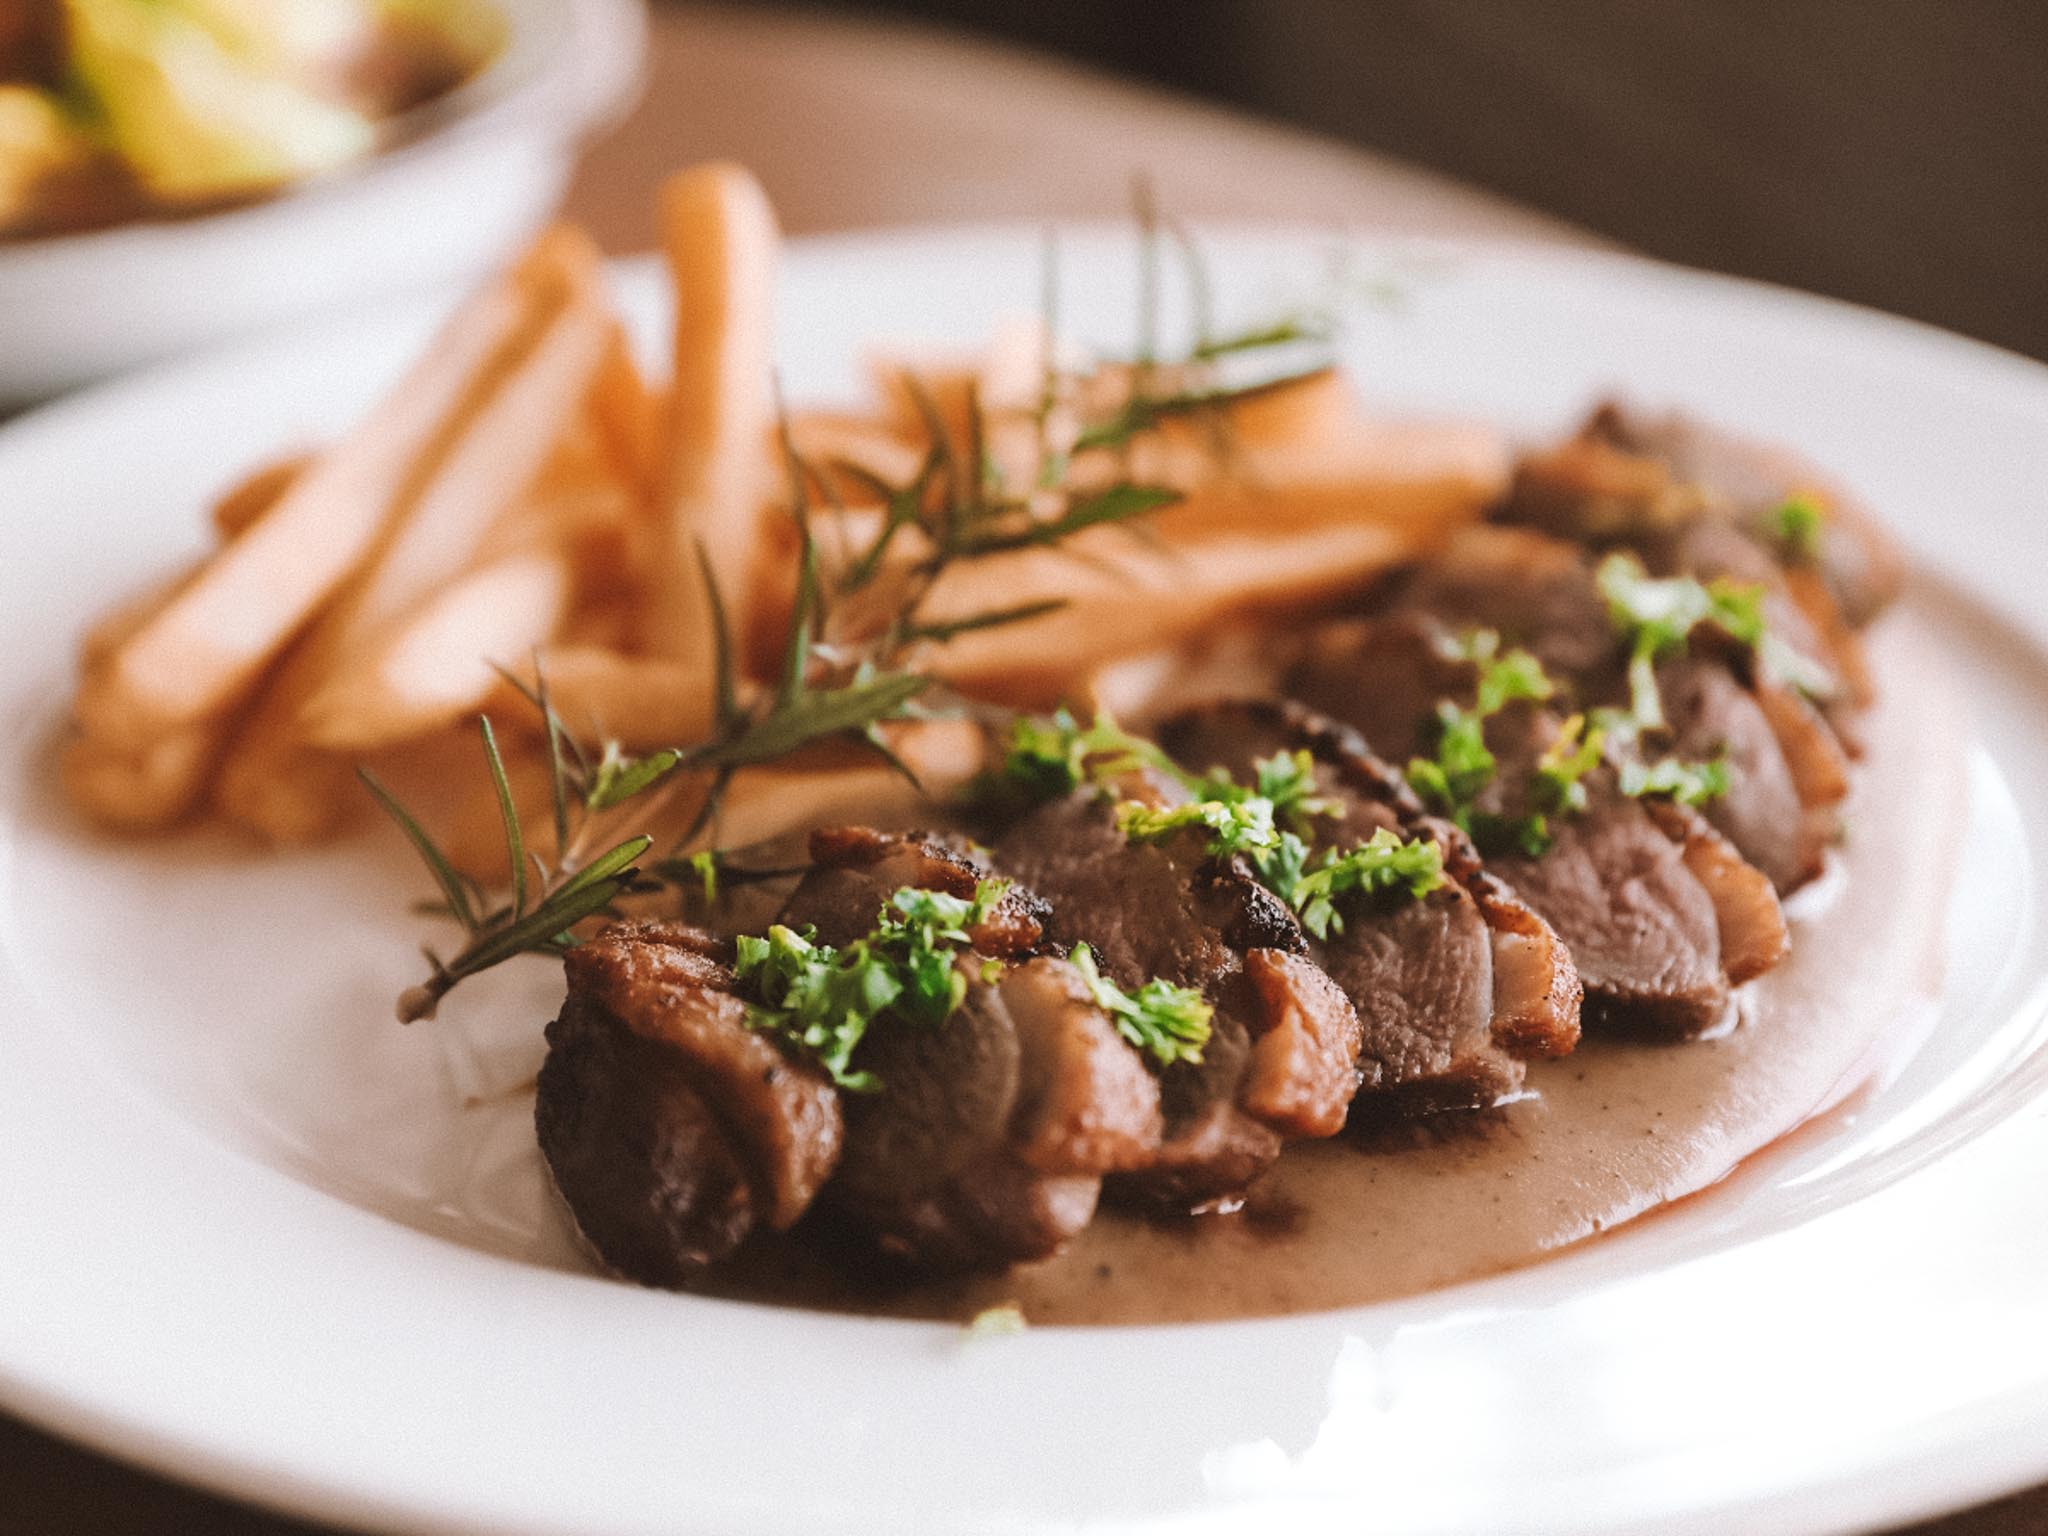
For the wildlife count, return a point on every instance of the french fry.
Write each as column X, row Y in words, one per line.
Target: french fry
column 1005, row 378
column 140, row 788
column 1390, row 470
column 641, row 702
column 628, row 412
column 202, row 652
column 435, row 666
column 115, row 628
column 461, row 809
column 255, row 494
column 272, row 779
column 1124, row 595
column 827, row 438
column 720, row 239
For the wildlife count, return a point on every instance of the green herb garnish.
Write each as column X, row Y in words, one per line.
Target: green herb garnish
column 1463, row 765
column 1688, row 783
column 1242, row 825
column 1657, row 615
column 821, row 1001
column 1243, row 821
column 1795, row 525
column 1052, row 757
column 1169, row 1023
column 1561, row 770
column 1286, row 781
column 1383, row 864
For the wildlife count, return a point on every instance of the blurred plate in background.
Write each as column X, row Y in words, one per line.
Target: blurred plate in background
column 431, row 210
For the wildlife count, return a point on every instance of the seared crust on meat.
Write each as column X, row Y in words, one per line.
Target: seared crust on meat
column 857, row 869
column 648, row 1173
column 1304, row 1067
column 1747, row 915
column 1085, row 1103
column 1452, row 988
column 783, row 1116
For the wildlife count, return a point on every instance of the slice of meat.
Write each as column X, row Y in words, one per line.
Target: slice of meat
column 857, row 869
column 1166, row 910
column 650, row 1176
column 1642, row 930
column 1711, row 549
column 1537, row 993
column 1383, row 678
column 986, row 1142
column 1304, row 1069
column 783, row 1117
column 1860, row 563
column 1694, row 500
column 1085, row 1103
column 1764, row 813
column 1751, row 923
column 1452, row 989
column 1533, row 591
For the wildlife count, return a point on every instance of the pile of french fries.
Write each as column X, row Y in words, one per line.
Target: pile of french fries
column 525, row 502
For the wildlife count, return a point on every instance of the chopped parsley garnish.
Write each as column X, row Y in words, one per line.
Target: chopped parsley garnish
column 1050, row 758
column 1168, row 1022
column 821, row 1000
column 1384, row 863
column 1562, row 768
column 999, row 1321
column 1309, row 883
column 1796, row 524
column 1286, row 781
column 1503, row 676
column 1243, row 825
column 1657, row 615
column 1687, row 783
column 1463, row 766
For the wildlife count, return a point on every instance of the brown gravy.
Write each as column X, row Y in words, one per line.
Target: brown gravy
column 1610, row 1132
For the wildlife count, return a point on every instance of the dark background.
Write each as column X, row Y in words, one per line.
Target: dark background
column 1889, row 151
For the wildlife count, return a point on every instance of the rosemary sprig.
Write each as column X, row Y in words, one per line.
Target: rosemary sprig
column 832, row 684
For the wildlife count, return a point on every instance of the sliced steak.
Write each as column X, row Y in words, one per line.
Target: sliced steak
column 857, row 869
column 1533, row 591
column 1641, row 929
column 1643, row 933
column 1166, row 910
column 1788, row 774
column 668, row 1126
column 1697, row 501
column 649, row 1175
column 1303, row 1072
column 1747, row 915
column 986, row 1142
column 1858, row 561
column 1085, row 1101
column 1443, row 1024
column 1764, row 813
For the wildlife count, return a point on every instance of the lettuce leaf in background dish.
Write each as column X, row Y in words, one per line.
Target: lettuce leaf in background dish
column 194, row 120
column 302, row 41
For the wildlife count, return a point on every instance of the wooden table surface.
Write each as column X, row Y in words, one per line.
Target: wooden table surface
column 857, row 123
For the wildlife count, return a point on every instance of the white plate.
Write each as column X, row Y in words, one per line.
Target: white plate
column 249, row 1232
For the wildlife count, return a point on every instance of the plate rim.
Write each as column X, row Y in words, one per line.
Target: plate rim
column 104, row 1428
